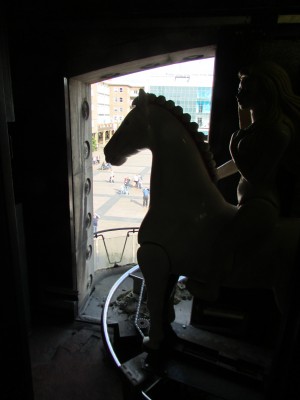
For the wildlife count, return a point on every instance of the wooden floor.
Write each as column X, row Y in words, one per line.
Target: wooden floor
column 69, row 360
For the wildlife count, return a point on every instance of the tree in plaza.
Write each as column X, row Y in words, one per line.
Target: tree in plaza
column 94, row 144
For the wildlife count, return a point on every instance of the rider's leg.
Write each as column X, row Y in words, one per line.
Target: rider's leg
column 154, row 264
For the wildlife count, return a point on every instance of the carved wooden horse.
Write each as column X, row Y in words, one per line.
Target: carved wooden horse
column 188, row 218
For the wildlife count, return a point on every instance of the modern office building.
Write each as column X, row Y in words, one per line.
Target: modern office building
column 194, row 100
column 112, row 100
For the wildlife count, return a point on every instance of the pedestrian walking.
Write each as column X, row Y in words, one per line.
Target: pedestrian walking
column 112, row 177
column 136, row 180
column 122, row 189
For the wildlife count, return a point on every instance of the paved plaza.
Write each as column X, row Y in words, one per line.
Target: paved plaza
column 118, row 210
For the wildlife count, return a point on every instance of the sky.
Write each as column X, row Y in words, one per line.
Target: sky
column 200, row 73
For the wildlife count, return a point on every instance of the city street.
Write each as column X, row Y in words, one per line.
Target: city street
column 118, row 210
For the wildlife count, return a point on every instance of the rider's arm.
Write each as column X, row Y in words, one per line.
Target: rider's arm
column 226, row 169
column 262, row 161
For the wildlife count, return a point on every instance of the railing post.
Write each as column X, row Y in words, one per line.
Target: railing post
column 110, row 259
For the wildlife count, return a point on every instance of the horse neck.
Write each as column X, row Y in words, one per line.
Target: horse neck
column 178, row 169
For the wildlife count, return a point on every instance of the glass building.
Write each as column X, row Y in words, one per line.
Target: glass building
column 194, row 100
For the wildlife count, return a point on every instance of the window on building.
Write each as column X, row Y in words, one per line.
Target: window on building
column 121, row 99
column 121, row 89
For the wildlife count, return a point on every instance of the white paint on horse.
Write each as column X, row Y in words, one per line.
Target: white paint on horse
column 188, row 218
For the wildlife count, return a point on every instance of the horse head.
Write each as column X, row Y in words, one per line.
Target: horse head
column 132, row 135
column 138, row 130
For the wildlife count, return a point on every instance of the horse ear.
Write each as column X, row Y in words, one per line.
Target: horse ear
column 143, row 100
column 142, row 95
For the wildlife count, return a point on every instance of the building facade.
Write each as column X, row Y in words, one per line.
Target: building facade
column 110, row 105
column 121, row 97
column 112, row 100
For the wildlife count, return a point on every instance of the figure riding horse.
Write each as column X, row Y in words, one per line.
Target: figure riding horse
column 188, row 218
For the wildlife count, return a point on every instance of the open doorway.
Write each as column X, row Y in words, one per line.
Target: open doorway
column 91, row 188
column 188, row 84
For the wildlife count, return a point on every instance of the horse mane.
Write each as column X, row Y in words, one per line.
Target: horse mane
column 192, row 128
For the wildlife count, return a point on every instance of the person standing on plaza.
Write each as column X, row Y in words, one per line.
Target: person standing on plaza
column 126, row 190
column 112, row 177
column 126, row 184
column 145, row 197
column 140, row 180
column 96, row 217
column 136, row 180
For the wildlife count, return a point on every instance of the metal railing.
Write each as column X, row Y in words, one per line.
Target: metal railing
column 115, row 246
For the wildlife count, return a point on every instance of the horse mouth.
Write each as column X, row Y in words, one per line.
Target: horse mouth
column 115, row 159
column 109, row 158
column 118, row 156
column 118, row 162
